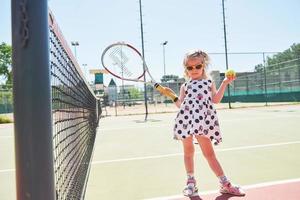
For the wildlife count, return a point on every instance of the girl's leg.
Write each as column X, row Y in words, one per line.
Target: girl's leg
column 189, row 150
column 209, row 154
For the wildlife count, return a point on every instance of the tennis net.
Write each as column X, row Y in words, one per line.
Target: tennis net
column 75, row 114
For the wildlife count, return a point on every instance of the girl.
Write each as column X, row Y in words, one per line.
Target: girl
column 197, row 118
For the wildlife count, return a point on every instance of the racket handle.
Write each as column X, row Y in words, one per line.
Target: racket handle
column 163, row 91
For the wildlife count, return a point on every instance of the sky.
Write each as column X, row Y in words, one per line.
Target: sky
column 252, row 26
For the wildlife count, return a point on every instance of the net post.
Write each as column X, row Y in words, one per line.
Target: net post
column 32, row 100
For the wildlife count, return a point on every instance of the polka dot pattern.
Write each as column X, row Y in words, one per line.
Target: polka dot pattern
column 197, row 115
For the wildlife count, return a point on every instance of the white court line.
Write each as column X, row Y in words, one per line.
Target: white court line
column 258, row 185
column 171, row 125
column 133, row 127
column 5, row 137
column 179, row 154
column 7, row 170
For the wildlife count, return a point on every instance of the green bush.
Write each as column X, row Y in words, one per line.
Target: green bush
column 5, row 120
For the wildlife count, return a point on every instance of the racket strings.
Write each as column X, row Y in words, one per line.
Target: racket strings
column 125, row 62
column 119, row 58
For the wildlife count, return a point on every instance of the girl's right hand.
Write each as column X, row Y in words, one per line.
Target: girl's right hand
column 168, row 92
column 229, row 80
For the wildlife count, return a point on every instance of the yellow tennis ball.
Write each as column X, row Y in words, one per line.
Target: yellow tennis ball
column 230, row 73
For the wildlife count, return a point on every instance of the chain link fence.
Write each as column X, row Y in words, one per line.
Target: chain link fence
column 279, row 82
column 273, row 84
column 6, row 99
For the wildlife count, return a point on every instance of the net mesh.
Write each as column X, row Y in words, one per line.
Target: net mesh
column 75, row 119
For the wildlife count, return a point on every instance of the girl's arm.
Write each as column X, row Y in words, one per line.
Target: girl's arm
column 181, row 96
column 218, row 95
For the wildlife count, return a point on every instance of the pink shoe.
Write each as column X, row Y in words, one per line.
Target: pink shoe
column 228, row 188
column 190, row 188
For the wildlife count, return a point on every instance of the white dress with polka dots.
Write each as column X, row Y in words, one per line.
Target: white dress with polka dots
column 197, row 115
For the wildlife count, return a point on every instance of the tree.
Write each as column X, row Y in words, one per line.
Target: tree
column 291, row 53
column 5, row 62
column 273, row 61
column 295, row 48
column 259, row 68
column 134, row 93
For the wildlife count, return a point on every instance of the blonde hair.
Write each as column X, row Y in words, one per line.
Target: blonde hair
column 197, row 54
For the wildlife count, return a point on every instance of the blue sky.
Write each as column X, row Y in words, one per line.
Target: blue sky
column 252, row 26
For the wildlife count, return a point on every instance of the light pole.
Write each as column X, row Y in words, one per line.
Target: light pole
column 75, row 43
column 164, row 55
column 143, row 54
column 226, row 56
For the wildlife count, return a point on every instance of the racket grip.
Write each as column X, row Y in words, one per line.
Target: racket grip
column 163, row 91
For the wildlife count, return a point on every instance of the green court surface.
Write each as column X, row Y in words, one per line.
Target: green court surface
column 137, row 160
column 134, row 159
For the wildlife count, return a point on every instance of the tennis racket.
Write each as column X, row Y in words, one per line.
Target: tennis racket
column 125, row 62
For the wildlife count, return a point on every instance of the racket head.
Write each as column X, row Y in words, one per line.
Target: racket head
column 123, row 61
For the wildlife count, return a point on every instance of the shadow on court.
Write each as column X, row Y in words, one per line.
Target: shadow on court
column 196, row 198
column 288, row 191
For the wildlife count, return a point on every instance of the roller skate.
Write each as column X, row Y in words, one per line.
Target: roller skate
column 190, row 188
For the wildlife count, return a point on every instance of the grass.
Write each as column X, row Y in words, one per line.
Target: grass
column 5, row 120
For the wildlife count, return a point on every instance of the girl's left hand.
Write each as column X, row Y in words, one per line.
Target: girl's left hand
column 229, row 80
